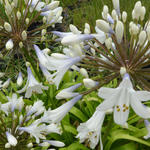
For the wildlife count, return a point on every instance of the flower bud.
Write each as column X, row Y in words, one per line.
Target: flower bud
column 30, row 145
column 104, row 26
column 142, row 13
column 7, row 27
column 7, row 145
column 108, row 43
column 27, row 64
column 44, row 19
column 124, row 16
column 123, row 71
column 134, row 29
column 114, row 15
column 19, row 79
column 43, row 32
column 87, row 29
column 119, row 31
column 74, row 29
column 27, row 21
column 116, row 6
column 142, row 37
column 89, row 83
column 137, row 8
column 9, row 45
column 43, row 38
column 6, row 84
column 24, row 35
column 18, row 15
column 2, row 74
column 20, row 44
column 15, row 3
column 84, row 72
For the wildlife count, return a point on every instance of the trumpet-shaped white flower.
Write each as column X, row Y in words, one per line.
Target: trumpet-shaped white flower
column 15, row 103
column 91, row 129
column 147, row 124
column 56, row 115
column 11, row 139
column 68, row 92
column 56, row 62
column 32, row 85
column 36, row 130
column 121, row 97
column 37, row 108
column 6, row 83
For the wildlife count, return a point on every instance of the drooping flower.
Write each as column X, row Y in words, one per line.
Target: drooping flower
column 32, row 85
column 90, row 131
column 121, row 97
column 68, row 92
column 56, row 115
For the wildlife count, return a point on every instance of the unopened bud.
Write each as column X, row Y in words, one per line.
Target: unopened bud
column 24, row 35
column 9, row 45
column 18, row 15
column 7, row 27
column 87, row 29
column 123, row 71
column 43, row 38
column 30, row 145
column 28, row 64
column 114, row 15
column 27, row 21
column 134, row 29
column 43, row 32
column 7, row 145
column 89, row 83
column 74, row 29
column 142, row 37
column 6, row 84
column 84, row 72
column 119, row 30
column 108, row 43
column 124, row 16
column 143, row 12
column 19, row 79
column 44, row 19
column 20, row 44
column 116, row 6
column 104, row 26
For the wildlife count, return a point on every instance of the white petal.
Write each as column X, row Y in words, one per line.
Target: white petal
column 105, row 92
column 143, row 95
column 139, row 108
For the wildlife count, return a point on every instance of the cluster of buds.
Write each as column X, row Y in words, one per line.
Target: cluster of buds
column 113, row 52
column 25, row 22
column 23, row 127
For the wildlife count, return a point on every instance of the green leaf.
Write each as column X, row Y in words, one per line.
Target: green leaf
column 70, row 129
column 129, row 146
column 75, row 146
column 121, row 134
column 75, row 111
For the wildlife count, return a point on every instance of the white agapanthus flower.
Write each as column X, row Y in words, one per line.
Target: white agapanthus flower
column 55, row 143
column 56, row 115
column 56, row 62
column 90, row 131
column 32, row 85
column 121, row 97
column 68, row 92
column 37, row 108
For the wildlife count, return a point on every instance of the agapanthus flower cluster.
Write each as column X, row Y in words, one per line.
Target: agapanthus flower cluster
column 23, row 127
column 24, row 23
column 118, row 50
